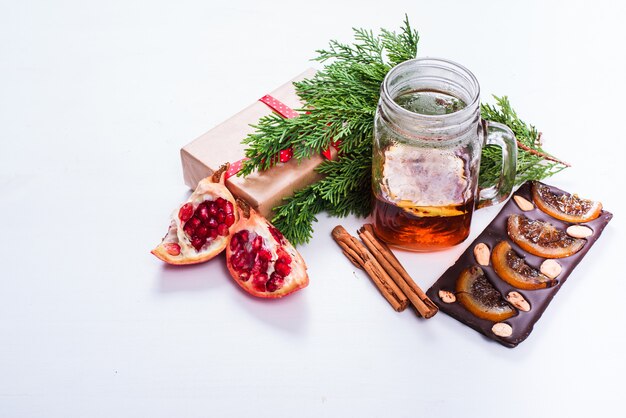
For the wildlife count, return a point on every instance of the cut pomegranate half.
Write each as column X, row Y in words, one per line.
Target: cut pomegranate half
column 260, row 258
column 200, row 227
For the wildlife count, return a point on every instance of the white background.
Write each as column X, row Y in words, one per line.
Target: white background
column 96, row 101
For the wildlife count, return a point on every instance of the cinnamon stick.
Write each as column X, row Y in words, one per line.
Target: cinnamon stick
column 358, row 254
column 422, row 303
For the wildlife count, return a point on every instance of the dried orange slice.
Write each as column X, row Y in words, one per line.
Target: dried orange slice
column 542, row 238
column 512, row 269
column 479, row 296
column 568, row 208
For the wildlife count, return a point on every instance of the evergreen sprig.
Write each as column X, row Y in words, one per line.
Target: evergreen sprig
column 339, row 105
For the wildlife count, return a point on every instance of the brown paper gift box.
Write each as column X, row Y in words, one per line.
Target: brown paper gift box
column 262, row 190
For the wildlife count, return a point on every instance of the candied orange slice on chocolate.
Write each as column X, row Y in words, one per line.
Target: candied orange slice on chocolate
column 542, row 238
column 513, row 269
column 566, row 207
column 479, row 296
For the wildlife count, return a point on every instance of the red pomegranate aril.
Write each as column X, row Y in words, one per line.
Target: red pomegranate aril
column 228, row 209
column 278, row 236
column 283, row 257
column 259, row 281
column 257, row 243
column 222, row 230
column 260, row 265
column 172, row 248
column 189, row 229
column 185, row 212
column 212, row 208
column 213, row 233
column 244, row 235
column 220, row 217
column 221, row 202
column 212, row 223
column 195, row 222
column 238, row 260
column 265, row 254
column 202, row 232
column 197, row 243
column 244, row 276
column 234, row 242
column 229, row 219
column 275, row 282
column 203, row 213
column 282, row 269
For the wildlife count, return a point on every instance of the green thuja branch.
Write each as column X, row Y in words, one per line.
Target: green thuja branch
column 339, row 105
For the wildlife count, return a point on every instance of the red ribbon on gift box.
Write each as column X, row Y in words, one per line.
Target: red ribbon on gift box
column 286, row 154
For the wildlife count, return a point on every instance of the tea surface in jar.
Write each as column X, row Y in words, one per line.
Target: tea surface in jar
column 429, row 102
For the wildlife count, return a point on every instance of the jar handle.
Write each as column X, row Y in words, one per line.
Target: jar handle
column 500, row 135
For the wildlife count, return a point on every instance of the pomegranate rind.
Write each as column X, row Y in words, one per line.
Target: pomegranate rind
column 558, row 244
column 297, row 279
column 540, row 192
column 466, row 297
column 207, row 189
column 513, row 277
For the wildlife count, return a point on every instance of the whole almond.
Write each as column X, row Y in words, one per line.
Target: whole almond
column 447, row 296
column 550, row 268
column 516, row 299
column 523, row 204
column 579, row 231
column 481, row 252
column 502, row 329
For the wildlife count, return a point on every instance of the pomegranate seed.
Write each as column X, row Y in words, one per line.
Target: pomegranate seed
column 234, row 242
column 202, row 232
column 275, row 282
column 244, row 235
column 213, row 233
column 228, row 209
column 203, row 213
column 282, row 269
column 278, row 236
column 265, row 254
column 222, row 230
column 283, row 256
column 285, row 259
column 229, row 220
column 197, row 243
column 195, row 222
column 261, row 264
column 257, row 243
column 212, row 208
column 189, row 229
column 172, row 248
column 259, row 282
column 221, row 217
column 212, row 223
column 221, row 202
column 236, row 261
column 241, row 261
column 185, row 212
column 244, row 276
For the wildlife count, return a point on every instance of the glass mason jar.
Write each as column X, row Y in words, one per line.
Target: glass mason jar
column 428, row 140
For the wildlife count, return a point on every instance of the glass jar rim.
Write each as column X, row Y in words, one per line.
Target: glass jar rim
column 440, row 63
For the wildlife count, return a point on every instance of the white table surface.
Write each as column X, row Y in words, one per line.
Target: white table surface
column 96, row 101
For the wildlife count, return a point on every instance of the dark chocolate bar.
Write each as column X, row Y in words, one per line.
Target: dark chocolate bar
column 522, row 323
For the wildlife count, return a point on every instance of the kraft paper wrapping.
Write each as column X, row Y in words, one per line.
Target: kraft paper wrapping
column 262, row 190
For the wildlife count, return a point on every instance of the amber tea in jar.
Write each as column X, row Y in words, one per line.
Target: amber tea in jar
column 428, row 139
